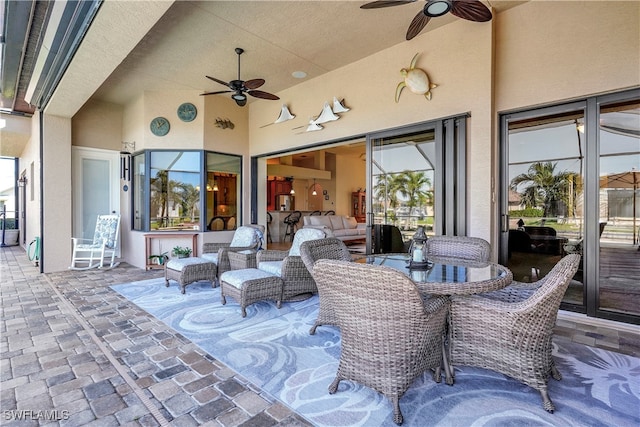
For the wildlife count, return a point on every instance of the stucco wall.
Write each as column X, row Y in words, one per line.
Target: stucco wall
column 457, row 57
column 552, row 51
column 56, row 241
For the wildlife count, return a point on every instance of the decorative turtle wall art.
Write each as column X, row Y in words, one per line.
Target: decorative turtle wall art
column 416, row 80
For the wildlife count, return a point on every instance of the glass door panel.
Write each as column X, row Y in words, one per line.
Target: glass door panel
column 402, row 175
column 545, row 175
column 619, row 208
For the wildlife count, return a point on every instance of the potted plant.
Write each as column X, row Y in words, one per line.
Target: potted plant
column 181, row 252
column 10, row 234
column 159, row 259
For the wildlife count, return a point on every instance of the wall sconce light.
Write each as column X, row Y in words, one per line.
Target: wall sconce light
column 314, row 192
column 22, row 181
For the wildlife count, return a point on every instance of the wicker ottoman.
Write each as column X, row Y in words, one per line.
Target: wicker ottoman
column 188, row 270
column 250, row 285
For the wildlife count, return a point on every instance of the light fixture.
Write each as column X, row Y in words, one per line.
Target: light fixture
column 215, row 186
column 292, row 191
column 22, row 181
column 299, row 74
column 314, row 192
column 435, row 8
column 418, row 250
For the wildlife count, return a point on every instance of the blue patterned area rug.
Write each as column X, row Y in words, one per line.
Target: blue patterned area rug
column 273, row 349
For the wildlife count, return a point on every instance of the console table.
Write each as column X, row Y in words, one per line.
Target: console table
column 149, row 237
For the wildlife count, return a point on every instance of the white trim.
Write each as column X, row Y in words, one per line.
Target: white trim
column 571, row 316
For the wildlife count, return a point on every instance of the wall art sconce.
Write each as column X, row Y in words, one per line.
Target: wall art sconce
column 224, row 123
column 22, row 181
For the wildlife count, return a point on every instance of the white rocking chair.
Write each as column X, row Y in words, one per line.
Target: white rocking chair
column 93, row 252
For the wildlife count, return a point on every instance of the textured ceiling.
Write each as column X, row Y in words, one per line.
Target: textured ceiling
column 195, row 39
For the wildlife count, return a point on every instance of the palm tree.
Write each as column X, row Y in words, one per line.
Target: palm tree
column 189, row 197
column 544, row 187
column 414, row 185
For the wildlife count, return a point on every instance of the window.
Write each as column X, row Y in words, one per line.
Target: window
column 171, row 191
column 223, row 187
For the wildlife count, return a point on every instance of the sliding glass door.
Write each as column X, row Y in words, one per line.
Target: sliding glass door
column 569, row 184
column 408, row 186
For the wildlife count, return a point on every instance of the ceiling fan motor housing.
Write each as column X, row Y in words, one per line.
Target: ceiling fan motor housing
column 435, row 8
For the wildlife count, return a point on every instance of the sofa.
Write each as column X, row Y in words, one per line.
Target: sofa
column 342, row 227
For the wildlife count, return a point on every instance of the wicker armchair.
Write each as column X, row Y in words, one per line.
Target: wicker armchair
column 389, row 335
column 469, row 248
column 510, row 330
column 244, row 238
column 312, row 251
column 289, row 267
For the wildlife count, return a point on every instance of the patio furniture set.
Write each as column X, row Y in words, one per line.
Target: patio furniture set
column 395, row 325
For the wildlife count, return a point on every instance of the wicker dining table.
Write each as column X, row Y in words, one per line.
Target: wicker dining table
column 447, row 276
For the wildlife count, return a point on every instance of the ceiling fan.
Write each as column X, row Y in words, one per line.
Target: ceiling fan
column 241, row 88
column 471, row 10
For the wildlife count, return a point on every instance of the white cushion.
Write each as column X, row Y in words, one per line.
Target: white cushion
column 349, row 222
column 336, row 222
column 322, row 221
column 211, row 256
column 303, row 235
column 178, row 264
column 245, row 237
column 237, row 278
column 271, row 267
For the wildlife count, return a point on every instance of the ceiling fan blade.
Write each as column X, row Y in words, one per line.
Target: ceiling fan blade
column 471, row 10
column 261, row 94
column 217, row 80
column 417, row 25
column 216, row 93
column 385, row 3
column 253, row 84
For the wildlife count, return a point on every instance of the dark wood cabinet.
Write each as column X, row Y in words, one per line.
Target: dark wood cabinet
column 274, row 189
column 359, row 206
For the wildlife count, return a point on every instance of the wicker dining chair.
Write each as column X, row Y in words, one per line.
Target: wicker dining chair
column 246, row 237
column 389, row 335
column 510, row 330
column 469, row 248
column 312, row 251
column 288, row 265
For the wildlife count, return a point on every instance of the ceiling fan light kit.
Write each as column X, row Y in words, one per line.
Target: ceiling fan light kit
column 435, row 8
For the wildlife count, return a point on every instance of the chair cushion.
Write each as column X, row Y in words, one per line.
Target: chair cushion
column 245, row 237
column 178, row 264
column 271, row 267
column 320, row 221
column 336, row 222
column 212, row 257
column 237, row 278
column 349, row 222
column 303, row 235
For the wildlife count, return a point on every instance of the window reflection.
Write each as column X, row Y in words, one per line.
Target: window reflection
column 174, row 196
column 171, row 191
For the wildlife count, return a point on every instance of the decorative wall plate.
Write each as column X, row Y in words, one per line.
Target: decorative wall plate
column 187, row 112
column 159, row 126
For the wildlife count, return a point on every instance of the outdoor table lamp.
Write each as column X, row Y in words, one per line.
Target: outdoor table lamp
column 418, row 250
